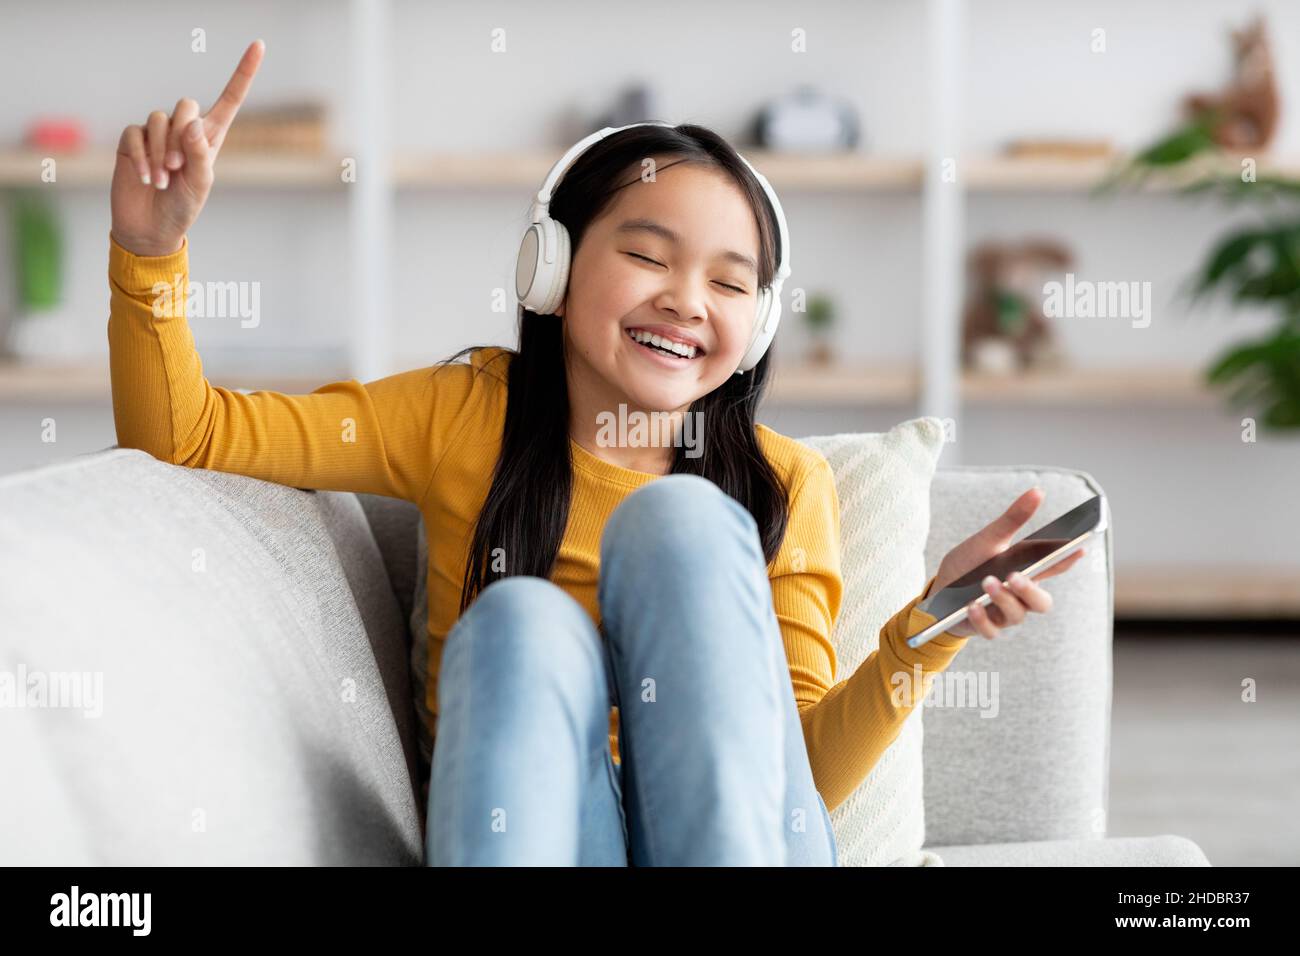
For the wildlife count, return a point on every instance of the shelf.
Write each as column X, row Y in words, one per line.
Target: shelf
column 845, row 172
column 790, row 384
column 1211, row 592
column 526, row 168
column 1001, row 174
column 416, row 170
column 88, row 381
column 844, row 383
column 94, row 167
column 840, row 383
column 1141, row 385
column 448, row 170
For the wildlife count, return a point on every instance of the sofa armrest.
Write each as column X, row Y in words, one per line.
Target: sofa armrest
column 1026, row 755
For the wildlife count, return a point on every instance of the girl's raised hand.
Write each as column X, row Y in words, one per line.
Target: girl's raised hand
column 164, row 168
column 1010, row 603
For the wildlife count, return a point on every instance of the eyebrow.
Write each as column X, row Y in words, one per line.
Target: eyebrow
column 659, row 229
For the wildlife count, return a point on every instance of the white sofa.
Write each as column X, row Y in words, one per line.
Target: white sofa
column 255, row 701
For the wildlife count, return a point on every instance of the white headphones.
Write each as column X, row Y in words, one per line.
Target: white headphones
column 542, row 272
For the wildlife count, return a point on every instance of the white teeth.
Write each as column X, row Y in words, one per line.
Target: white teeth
column 685, row 351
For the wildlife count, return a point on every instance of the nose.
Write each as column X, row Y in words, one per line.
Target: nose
column 684, row 295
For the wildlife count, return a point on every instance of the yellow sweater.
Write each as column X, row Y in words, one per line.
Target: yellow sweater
column 431, row 436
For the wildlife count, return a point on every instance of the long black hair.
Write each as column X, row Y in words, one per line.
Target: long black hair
column 526, row 510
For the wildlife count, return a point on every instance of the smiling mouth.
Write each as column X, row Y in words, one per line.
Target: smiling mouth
column 664, row 351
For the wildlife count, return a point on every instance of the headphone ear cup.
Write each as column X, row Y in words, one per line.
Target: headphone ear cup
column 759, row 339
column 773, row 320
column 527, row 265
column 559, row 269
column 542, row 268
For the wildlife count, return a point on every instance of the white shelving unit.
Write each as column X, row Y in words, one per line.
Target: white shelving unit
column 372, row 201
column 942, row 206
column 934, row 386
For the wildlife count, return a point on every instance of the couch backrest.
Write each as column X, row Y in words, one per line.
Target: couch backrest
column 249, row 652
column 1037, row 767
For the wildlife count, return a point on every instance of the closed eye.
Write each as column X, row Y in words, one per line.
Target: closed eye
column 725, row 285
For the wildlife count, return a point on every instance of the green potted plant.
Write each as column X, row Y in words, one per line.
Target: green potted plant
column 1259, row 264
column 819, row 319
column 37, row 267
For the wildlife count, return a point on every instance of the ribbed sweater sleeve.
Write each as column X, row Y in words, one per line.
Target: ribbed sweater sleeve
column 847, row 725
column 384, row 437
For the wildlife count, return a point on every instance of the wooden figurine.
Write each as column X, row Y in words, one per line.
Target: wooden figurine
column 1003, row 327
column 1248, row 106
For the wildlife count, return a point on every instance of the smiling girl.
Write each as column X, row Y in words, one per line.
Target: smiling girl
column 628, row 655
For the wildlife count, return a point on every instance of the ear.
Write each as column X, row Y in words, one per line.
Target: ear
column 559, row 309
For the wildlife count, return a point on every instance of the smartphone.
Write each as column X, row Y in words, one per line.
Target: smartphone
column 1049, row 545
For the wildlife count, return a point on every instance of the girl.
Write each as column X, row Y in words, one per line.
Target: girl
column 628, row 656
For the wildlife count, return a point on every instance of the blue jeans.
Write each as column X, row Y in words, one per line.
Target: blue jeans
column 713, row 768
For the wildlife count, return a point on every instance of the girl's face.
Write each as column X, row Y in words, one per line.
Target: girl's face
column 676, row 256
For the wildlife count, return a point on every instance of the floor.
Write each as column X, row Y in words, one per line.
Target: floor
column 1189, row 756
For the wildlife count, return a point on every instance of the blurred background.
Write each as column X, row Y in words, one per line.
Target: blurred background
column 944, row 167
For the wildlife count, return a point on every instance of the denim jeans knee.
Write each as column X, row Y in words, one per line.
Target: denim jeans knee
column 523, row 735
column 679, row 514
column 533, row 630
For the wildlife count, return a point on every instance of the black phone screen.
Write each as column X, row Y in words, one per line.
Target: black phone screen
column 1020, row 555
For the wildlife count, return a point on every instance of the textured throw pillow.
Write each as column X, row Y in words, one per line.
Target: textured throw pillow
column 883, row 483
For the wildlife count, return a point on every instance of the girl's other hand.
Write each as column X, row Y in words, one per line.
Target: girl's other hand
column 1021, row 594
column 164, row 167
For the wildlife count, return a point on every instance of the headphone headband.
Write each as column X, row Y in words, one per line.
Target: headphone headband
column 546, row 245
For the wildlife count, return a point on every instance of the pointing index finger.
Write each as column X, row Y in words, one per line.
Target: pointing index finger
column 217, row 120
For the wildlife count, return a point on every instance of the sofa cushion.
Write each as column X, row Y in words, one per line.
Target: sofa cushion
column 883, row 483
column 1166, row 850
column 1035, row 703
column 244, row 718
